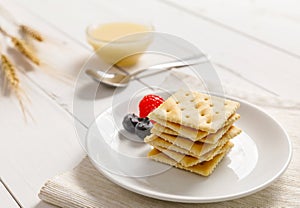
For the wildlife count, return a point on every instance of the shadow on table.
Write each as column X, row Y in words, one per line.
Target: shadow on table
column 87, row 91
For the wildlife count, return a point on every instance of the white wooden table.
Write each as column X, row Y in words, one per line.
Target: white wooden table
column 254, row 45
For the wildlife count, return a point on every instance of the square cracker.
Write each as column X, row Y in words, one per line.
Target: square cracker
column 155, row 141
column 188, row 161
column 196, row 110
column 203, row 168
column 195, row 149
column 191, row 133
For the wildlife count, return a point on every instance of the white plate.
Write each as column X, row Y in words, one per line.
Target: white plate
column 260, row 155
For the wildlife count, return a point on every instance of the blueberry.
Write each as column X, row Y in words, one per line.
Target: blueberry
column 130, row 121
column 142, row 129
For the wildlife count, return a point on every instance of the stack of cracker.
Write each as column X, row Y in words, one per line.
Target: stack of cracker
column 192, row 131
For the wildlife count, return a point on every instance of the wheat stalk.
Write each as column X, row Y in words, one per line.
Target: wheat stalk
column 23, row 48
column 10, row 72
column 11, row 78
column 31, row 32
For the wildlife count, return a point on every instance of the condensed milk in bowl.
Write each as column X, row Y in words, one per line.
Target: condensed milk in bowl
column 120, row 43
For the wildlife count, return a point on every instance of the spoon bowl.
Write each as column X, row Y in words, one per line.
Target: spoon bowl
column 111, row 79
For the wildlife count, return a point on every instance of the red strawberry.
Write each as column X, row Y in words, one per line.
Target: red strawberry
column 149, row 103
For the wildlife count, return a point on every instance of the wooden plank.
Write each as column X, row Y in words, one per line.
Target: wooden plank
column 251, row 60
column 35, row 151
column 6, row 200
column 273, row 23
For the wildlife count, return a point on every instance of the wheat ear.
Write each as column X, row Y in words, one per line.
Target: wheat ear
column 31, row 32
column 12, row 80
column 23, row 48
column 10, row 72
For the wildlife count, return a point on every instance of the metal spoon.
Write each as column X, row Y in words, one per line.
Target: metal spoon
column 122, row 80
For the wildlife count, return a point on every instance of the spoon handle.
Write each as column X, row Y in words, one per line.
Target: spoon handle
column 175, row 64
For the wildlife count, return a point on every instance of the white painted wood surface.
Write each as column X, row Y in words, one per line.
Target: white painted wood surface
column 275, row 23
column 6, row 199
column 32, row 153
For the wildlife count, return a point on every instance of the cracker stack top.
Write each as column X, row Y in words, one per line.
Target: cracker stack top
column 196, row 110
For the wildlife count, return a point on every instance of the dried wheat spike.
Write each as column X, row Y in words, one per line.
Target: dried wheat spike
column 10, row 73
column 13, row 82
column 25, row 50
column 32, row 32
